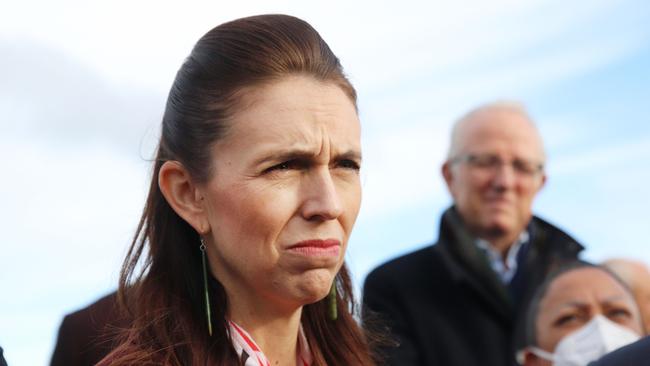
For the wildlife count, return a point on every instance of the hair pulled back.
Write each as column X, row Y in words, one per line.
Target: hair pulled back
column 161, row 283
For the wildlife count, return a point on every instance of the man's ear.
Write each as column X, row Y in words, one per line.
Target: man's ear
column 542, row 182
column 447, row 174
column 183, row 195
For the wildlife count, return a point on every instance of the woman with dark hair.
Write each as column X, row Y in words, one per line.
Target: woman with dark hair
column 238, row 257
column 581, row 312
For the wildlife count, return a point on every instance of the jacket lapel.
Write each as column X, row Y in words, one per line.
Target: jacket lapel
column 471, row 266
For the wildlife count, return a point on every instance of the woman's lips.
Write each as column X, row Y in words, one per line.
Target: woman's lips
column 317, row 247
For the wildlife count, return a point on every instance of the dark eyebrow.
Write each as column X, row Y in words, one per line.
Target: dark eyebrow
column 293, row 154
column 349, row 155
column 574, row 304
column 298, row 154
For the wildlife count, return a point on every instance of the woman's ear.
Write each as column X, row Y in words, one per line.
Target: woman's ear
column 530, row 359
column 183, row 195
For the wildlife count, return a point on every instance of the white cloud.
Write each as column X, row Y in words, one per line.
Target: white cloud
column 145, row 42
column 48, row 95
column 602, row 158
column 68, row 214
column 401, row 169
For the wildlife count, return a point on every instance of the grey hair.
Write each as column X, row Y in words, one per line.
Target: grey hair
column 510, row 106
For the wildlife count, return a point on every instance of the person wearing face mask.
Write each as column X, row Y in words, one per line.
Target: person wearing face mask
column 462, row 300
column 580, row 313
column 635, row 354
column 636, row 275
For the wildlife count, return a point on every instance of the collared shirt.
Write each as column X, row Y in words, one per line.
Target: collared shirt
column 505, row 269
column 250, row 353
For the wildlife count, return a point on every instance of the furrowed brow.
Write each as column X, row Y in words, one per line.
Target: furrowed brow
column 617, row 299
column 349, row 155
column 300, row 154
column 574, row 305
column 293, row 154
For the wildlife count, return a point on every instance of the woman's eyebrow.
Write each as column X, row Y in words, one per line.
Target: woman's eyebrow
column 618, row 299
column 573, row 304
column 304, row 154
column 284, row 155
column 349, row 155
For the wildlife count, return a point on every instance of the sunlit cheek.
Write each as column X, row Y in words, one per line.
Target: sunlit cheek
column 624, row 322
column 546, row 340
column 477, row 179
column 554, row 339
column 246, row 220
column 351, row 213
column 353, row 198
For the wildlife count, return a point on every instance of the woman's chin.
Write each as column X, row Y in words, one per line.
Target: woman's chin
column 314, row 288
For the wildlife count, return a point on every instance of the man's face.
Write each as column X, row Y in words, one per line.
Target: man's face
column 495, row 172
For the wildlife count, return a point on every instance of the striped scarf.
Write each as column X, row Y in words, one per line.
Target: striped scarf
column 251, row 355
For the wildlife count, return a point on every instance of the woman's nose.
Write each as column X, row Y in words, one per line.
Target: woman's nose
column 321, row 199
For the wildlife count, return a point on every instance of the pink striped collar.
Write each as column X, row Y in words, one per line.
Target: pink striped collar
column 250, row 353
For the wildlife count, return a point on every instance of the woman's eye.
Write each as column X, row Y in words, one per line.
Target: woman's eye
column 282, row 166
column 567, row 320
column 286, row 165
column 349, row 164
column 618, row 314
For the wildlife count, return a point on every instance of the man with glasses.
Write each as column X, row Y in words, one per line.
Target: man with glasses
column 459, row 302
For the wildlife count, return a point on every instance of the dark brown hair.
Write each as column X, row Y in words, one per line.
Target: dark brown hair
column 161, row 279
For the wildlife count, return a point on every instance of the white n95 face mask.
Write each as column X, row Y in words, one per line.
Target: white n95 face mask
column 589, row 343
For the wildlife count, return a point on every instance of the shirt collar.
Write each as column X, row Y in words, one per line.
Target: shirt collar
column 250, row 354
column 505, row 269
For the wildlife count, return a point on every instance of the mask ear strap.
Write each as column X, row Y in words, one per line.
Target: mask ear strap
column 521, row 355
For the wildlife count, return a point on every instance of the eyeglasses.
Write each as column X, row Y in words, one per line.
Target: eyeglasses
column 492, row 162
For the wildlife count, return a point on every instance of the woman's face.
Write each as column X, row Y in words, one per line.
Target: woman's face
column 284, row 193
column 575, row 297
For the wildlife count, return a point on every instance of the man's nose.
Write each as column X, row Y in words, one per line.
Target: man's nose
column 504, row 176
column 321, row 199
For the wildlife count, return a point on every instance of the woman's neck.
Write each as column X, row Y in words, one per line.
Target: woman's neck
column 276, row 333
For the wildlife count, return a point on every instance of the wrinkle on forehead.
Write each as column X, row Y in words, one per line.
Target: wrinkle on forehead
column 286, row 98
column 590, row 288
column 295, row 113
column 315, row 134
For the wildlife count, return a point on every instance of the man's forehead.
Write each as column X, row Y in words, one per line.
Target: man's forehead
column 495, row 120
column 502, row 126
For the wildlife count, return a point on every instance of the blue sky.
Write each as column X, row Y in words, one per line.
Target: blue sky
column 83, row 85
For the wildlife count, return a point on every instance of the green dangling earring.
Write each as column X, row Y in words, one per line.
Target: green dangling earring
column 205, row 287
column 331, row 299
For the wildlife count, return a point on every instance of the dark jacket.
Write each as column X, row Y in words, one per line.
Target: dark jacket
column 2, row 358
column 445, row 305
column 87, row 335
column 635, row 354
